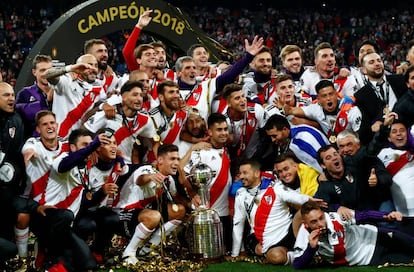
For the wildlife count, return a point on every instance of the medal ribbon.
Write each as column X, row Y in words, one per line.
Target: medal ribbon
column 173, row 132
column 85, row 177
column 112, row 200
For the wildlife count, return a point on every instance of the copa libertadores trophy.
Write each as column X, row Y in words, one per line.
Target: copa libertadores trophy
column 206, row 229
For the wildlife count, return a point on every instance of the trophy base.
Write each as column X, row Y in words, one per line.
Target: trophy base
column 206, row 236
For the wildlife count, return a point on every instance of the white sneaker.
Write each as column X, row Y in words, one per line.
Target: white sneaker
column 144, row 250
column 130, row 260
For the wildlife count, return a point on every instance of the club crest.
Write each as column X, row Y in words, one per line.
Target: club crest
column 12, row 132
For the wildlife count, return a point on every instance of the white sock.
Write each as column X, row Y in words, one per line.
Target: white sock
column 155, row 240
column 140, row 235
column 166, row 228
column 22, row 239
column 290, row 256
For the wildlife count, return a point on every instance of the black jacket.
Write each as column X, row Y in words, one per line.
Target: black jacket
column 11, row 143
column 405, row 108
column 352, row 190
column 372, row 107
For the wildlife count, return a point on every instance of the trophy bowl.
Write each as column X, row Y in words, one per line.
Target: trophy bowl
column 201, row 174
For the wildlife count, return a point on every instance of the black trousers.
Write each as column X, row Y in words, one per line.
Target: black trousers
column 7, row 251
column 103, row 222
column 393, row 246
column 55, row 234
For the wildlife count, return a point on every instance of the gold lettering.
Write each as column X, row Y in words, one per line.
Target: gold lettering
column 174, row 22
column 130, row 12
column 123, row 12
column 113, row 12
column 92, row 21
column 80, row 28
column 102, row 18
column 180, row 28
column 157, row 16
column 165, row 19
column 142, row 9
column 133, row 11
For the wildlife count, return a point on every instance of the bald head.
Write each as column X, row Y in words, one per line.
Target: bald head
column 6, row 97
column 89, row 75
column 142, row 77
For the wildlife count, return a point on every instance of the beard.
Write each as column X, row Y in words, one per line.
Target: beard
column 102, row 66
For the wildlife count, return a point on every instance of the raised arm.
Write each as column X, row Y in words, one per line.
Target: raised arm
column 237, row 68
column 129, row 47
column 52, row 75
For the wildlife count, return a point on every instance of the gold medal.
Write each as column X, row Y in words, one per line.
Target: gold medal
column 156, row 138
column 105, row 179
column 174, row 207
column 137, row 141
column 332, row 139
column 88, row 195
column 242, row 146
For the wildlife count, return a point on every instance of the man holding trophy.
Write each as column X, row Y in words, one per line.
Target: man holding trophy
column 213, row 155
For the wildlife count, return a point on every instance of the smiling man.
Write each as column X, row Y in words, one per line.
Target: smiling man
column 325, row 68
column 74, row 95
column 156, row 199
column 340, row 188
column 36, row 97
column 106, row 76
column 398, row 160
column 373, row 179
column 296, row 176
column 332, row 113
column 168, row 117
column 130, row 125
column 244, row 119
column 264, row 207
column 213, row 153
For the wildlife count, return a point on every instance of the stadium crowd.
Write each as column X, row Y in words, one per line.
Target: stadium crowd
column 307, row 133
column 21, row 26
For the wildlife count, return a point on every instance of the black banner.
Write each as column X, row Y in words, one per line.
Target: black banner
column 64, row 39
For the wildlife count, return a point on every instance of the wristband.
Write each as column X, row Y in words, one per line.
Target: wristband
column 68, row 68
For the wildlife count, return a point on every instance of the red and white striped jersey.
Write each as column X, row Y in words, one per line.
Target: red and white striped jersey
column 168, row 129
column 140, row 125
column 64, row 190
column 400, row 164
column 246, row 129
column 71, row 100
column 345, row 86
column 344, row 244
column 39, row 166
column 201, row 97
column 219, row 187
column 109, row 82
column 269, row 216
column 133, row 196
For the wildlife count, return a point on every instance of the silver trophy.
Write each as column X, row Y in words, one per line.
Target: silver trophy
column 206, row 229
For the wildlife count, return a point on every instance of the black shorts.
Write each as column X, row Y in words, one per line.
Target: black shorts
column 161, row 205
column 128, row 221
column 288, row 241
column 22, row 205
